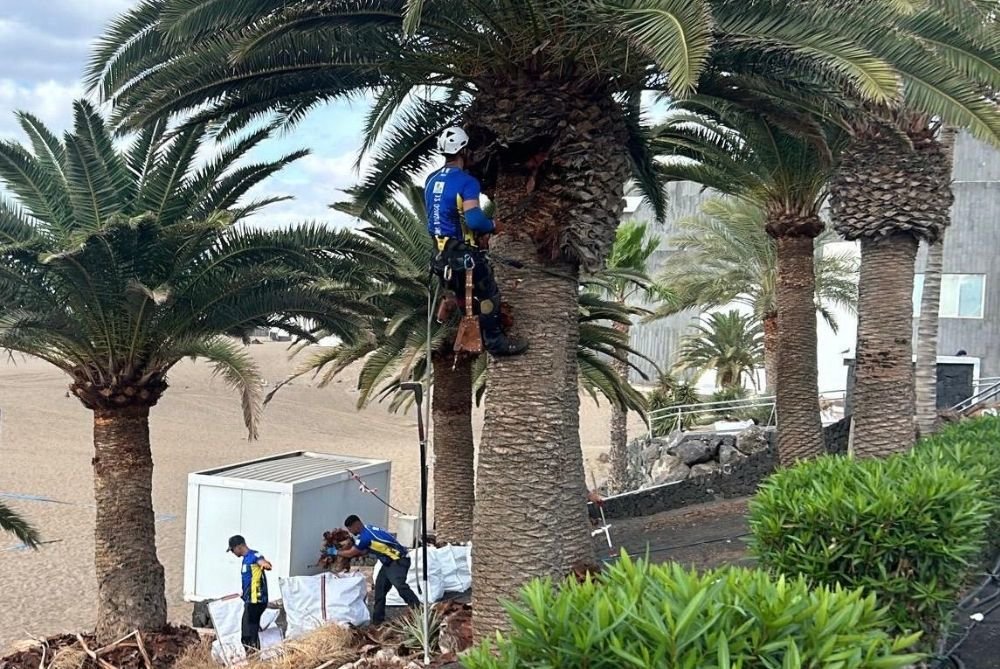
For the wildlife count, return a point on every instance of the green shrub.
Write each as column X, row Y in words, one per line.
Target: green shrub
column 973, row 447
column 903, row 528
column 643, row 616
column 671, row 392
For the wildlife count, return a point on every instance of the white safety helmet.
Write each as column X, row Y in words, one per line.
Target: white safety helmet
column 452, row 141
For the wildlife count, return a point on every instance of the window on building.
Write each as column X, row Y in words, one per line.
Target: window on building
column 962, row 295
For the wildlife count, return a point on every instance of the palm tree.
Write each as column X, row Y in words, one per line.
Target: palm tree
column 11, row 522
column 118, row 265
column 550, row 92
column 632, row 250
column 394, row 350
column 731, row 344
column 744, row 154
column 893, row 190
column 723, row 255
column 927, row 340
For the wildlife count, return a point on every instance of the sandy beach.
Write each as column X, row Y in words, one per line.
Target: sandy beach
column 45, row 471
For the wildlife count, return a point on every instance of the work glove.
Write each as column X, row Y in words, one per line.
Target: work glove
column 332, row 551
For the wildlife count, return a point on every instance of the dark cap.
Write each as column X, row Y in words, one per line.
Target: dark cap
column 234, row 541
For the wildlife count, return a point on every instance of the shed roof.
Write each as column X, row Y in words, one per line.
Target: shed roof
column 292, row 467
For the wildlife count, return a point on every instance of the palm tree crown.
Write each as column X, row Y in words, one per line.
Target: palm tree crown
column 118, row 266
column 730, row 343
column 430, row 64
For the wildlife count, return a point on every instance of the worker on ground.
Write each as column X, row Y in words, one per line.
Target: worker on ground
column 456, row 222
column 392, row 555
column 254, row 589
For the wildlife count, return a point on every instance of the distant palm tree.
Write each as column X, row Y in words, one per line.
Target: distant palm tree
column 11, row 522
column 633, row 248
column 731, row 344
column 394, row 349
column 114, row 267
column 724, row 255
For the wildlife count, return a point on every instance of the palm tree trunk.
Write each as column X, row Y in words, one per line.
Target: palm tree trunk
column 771, row 345
column 454, row 449
column 530, row 514
column 130, row 584
column 889, row 194
column 883, row 372
column 927, row 341
column 800, row 431
column 618, row 480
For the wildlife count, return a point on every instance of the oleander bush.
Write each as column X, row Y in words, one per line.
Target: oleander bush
column 639, row 615
column 972, row 446
column 905, row 529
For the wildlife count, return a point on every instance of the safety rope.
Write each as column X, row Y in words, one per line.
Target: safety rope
column 365, row 488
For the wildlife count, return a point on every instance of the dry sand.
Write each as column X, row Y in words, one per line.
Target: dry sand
column 45, row 451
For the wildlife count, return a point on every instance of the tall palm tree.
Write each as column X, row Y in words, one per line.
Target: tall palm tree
column 746, row 155
column 925, row 375
column 14, row 524
column 394, row 349
column 550, row 92
column 632, row 250
column 894, row 190
column 729, row 343
column 723, row 255
column 118, row 265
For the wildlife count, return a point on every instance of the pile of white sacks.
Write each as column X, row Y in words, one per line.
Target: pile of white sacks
column 311, row 602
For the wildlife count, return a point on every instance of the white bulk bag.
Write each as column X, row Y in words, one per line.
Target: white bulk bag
column 227, row 619
column 435, row 577
column 456, row 566
column 313, row 601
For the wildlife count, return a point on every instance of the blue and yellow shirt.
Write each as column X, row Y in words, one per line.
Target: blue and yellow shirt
column 444, row 195
column 380, row 542
column 254, row 581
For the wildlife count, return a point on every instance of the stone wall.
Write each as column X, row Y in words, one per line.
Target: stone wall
column 694, row 468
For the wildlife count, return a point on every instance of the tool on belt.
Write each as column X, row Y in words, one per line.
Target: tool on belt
column 469, row 338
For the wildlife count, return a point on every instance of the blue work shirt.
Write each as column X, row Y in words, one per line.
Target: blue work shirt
column 380, row 542
column 254, row 581
column 445, row 193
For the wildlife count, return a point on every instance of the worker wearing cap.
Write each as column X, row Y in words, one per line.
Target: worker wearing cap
column 392, row 555
column 254, row 589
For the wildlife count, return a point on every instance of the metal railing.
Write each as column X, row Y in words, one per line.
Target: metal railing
column 986, row 390
column 681, row 415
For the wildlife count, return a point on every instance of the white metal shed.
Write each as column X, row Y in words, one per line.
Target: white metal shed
column 282, row 504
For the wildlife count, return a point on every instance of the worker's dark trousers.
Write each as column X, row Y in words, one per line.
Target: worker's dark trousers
column 484, row 287
column 251, row 624
column 392, row 575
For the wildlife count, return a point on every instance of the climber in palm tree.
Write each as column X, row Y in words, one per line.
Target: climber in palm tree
column 457, row 223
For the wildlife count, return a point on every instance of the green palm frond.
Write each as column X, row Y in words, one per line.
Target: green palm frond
column 723, row 255
column 14, row 524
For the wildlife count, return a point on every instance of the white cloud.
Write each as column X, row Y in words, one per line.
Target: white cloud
column 50, row 100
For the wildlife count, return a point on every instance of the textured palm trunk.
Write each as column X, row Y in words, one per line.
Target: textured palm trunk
column 454, row 450
column 619, row 479
column 772, row 342
column 883, row 372
column 889, row 194
column 800, row 430
column 927, row 341
column 524, row 525
column 130, row 583
column 551, row 155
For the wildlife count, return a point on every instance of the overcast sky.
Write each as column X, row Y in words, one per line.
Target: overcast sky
column 44, row 48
